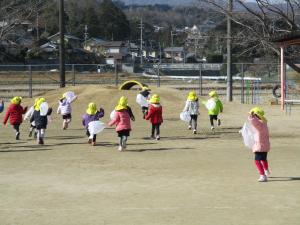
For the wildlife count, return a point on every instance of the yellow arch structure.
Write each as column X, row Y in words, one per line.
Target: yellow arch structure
column 129, row 84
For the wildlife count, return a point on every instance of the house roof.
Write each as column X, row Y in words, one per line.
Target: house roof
column 68, row 36
column 292, row 38
column 96, row 41
column 111, row 44
column 174, row 49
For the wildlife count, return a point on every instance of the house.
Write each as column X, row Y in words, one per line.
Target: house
column 175, row 53
column 94, row 45
column 70, row 40
column 115, row 51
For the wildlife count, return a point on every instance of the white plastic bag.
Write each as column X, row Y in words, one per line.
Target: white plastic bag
column 96, row 127
column 210, row 104
column 69, row 95
column 185, row 116
column 248, row 134
column 112, row 115
column 44, row 109
column 141, row 100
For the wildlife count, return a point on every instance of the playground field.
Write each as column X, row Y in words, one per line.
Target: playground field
column 183, row 179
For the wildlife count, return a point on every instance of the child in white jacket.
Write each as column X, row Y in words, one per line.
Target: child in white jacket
column 192, row 106
column 28, row 116
column 65, row 110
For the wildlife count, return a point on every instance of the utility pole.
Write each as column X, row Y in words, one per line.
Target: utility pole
column 141, row 40
column 62, row 44
column 229, row 62
column 85, row 34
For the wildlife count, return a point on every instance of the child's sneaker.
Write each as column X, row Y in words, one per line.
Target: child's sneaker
column 195, row 131
column 90, row 141
column 219, row 122
column 267, row 173
column 262, row 178
column 18, row 136
column 157, row 137
column 189, row 127
column 93, row 143
column 35, row 134
column 120, row 148
column 152, row 137
column 30, row 133
column 41, row 141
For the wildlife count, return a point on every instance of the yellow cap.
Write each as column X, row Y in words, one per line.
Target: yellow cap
column 155, row 99
column 38, row 104
column 259, row 112
column 122, row 104
column 213, row 94
column 16, row 100
column 92, row 109
column 192, row 96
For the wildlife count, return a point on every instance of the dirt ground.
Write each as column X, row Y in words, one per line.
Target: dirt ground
column 183, row 179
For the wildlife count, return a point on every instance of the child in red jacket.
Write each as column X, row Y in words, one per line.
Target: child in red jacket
column 14, row 113
column 155, row 116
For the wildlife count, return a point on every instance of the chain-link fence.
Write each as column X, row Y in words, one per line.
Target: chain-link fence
column 252, row 83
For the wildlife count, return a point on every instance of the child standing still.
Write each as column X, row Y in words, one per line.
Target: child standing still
column 92, row 114
column 65, row 110
column 213, row 113
column 261, row 145
column 122, row 118
column 41, row 121
column 155, row 116
column 192, row 107
column 14, row 114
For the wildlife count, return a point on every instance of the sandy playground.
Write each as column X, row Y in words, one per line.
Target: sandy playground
column 183, row 179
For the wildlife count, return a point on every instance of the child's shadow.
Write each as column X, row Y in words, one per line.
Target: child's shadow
column 283, row 179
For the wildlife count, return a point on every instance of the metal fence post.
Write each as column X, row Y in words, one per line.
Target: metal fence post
column 158, row 76
column 73, row 71
column 30, row 81
column 242, row 85
column 200, row 80
column 116, row 75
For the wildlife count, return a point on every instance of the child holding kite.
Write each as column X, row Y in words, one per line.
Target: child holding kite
column 192, row 107
column 65, row 108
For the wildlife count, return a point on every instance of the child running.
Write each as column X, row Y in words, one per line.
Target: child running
column 142, row 98
column 155, row 116
column 92, row 114
column 214, row 112
column 65, row 110
column 14, row 114
column 41, row 121
column 122, row 118
column 192, row 107
column 1, row 106
column 28, row 116
column 261, row 145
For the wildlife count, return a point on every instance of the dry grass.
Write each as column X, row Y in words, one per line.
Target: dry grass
column 181, row 179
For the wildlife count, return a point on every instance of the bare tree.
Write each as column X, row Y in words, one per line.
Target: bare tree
column 15, row 12
column 260, row 21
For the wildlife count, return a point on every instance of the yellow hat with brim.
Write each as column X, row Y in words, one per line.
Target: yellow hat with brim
column 213, row 94
column 259, row 112
column 38, row 104
column 155, row 99
column 145, row 88
column 16, row 100
column 92, row 109
column 122, row 104
column 192, row 96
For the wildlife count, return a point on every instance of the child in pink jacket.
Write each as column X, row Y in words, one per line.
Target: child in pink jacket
column 261, row 146
column 122, row 121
